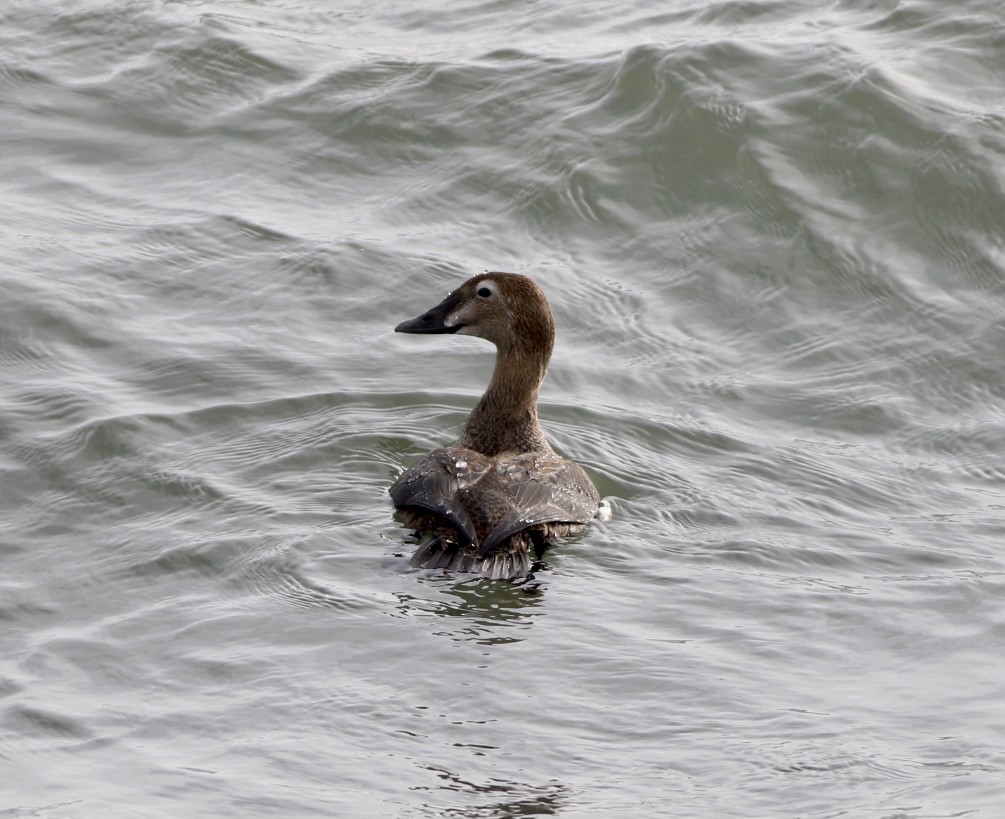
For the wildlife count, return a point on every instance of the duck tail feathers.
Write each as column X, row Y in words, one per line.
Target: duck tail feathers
column 510, row 564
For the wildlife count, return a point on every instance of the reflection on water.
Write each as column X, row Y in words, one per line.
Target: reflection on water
column 489, row 612
column 506, row 799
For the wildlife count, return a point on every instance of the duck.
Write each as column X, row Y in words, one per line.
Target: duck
column 499, row 494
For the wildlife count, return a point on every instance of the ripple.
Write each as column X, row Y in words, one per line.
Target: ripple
column 21, row 601
column 19, row 79
column 45, row 724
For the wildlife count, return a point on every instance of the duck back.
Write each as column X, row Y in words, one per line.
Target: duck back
column 489, row 515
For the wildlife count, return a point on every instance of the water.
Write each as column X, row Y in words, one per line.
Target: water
column 772, row 236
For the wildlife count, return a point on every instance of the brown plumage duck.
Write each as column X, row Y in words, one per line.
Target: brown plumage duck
column 484, row 503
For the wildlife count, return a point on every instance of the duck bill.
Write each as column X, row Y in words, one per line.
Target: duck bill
column 434, row 320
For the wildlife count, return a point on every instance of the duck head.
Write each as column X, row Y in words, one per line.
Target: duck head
column 507, row 309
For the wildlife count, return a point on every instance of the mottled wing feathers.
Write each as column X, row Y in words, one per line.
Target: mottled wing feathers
column 540, row 489
column 486, row 501
column 435, row 483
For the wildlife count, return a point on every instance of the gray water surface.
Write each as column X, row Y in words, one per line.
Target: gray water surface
column 773, row 237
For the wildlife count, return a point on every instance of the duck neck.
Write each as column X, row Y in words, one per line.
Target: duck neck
column 505, row 419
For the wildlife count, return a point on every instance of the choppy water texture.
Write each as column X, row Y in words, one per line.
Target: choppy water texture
column 773, row 236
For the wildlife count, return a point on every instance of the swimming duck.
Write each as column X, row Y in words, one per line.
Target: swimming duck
column 500, row 491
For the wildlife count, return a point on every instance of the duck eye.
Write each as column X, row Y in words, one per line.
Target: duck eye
column 484, row 292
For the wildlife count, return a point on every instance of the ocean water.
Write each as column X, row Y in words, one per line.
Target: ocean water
column 773, row 235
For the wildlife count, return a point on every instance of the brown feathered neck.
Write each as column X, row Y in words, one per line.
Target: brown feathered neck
column 505, row 420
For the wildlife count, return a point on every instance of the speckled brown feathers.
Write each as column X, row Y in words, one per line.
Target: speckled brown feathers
column 500, row 492
column 492, row 512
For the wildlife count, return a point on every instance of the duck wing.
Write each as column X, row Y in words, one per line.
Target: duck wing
column 528, row 489
column 439, row 482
